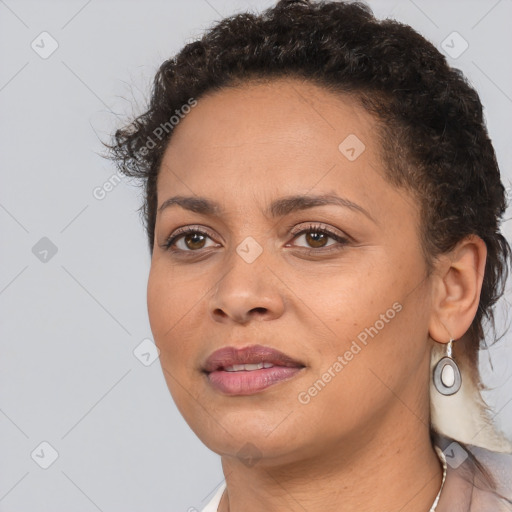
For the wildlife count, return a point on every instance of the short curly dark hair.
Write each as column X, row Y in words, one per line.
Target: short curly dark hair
column 429, row 120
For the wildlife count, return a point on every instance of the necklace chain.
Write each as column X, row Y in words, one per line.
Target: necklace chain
column 443, row 462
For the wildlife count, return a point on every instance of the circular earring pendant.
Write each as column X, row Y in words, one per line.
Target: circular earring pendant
column 447, row 378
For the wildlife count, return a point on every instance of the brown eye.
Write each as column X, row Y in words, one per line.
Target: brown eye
column 194, row 241
column 188, row 239
column 316, row 238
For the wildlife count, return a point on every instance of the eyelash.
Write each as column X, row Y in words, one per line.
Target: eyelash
column 314, row 228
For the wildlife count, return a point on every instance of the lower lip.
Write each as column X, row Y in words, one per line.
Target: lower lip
column 248, row 382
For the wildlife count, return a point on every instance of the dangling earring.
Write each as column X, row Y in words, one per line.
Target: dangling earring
column 447, row 378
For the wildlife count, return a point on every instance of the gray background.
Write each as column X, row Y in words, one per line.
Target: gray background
column 70, row 323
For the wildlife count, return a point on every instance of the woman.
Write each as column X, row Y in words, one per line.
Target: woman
column 322, row 203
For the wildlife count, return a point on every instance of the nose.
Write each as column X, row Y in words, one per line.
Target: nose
column 247, row 291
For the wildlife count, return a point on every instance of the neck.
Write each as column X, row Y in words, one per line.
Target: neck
column 393, row 469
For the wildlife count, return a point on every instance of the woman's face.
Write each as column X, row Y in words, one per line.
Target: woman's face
column 347, row 298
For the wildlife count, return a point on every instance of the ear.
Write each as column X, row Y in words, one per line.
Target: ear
column 457, row 283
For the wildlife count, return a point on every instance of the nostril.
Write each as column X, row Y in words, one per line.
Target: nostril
column 259, row 310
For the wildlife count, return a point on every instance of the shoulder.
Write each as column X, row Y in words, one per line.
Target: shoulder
column 499, row 466
column 483, row 501
column 468, row 488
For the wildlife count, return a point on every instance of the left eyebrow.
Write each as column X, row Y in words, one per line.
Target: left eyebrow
column 286, row 205
column 278, row 208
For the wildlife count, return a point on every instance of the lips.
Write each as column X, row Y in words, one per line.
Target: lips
column 229, row 356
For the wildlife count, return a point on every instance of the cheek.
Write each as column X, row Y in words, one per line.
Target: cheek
column 349, row 297
column 371, row 310
column 169, row 303
column 171, row 293
column 159, row 301
column 172, row 308
column 177, row 311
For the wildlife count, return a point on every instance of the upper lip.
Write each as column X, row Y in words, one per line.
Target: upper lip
column 229, row 356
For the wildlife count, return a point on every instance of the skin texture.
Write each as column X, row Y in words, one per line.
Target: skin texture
column 362, row 443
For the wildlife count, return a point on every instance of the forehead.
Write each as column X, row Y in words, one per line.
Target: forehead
column 246, row 146
column 277, row 128
column 281, row 111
